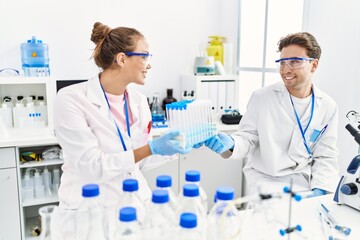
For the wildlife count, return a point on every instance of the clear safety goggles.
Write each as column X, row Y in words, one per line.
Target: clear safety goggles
column 292, row 63
column 145, row 56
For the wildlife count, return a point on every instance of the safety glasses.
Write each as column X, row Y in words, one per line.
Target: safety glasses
column 145, row 56
column 292, row 63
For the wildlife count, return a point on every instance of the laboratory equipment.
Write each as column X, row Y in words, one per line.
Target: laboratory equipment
column 204, row 65
column 168, row 99
column 191, row 202
column 193, row 120
column 90, row 218
column 165, row 182
column 161, row 217
column 193, row 177
column 347, row 191
column 229, row 226
column 331, row 221
column 46, row 214
column 157, row 113
column 7, row 114
column 188, row 227
column 35, row 58
column 130, row 199
column 128, row 226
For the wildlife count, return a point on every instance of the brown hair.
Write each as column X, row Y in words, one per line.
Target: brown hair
column 109, row 42
column 302, row 39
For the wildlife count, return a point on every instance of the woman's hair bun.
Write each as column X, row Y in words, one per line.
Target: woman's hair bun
column 99, row 32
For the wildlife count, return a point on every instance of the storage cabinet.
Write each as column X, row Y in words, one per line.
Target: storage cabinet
column 31, row 199
column 26, row 87
column 9, row 200
column 222, row 90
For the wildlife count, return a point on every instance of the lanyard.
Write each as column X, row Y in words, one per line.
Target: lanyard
column 299, row 123
column 126, row 116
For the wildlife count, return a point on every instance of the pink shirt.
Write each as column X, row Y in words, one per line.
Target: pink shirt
column 118, row 111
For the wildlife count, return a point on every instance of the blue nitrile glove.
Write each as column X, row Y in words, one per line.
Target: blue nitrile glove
column 220, row 143
column 167, row 145
column 317, row 192
column 198, row 145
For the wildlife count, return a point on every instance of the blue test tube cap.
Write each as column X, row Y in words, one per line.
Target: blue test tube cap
column 297, row 197
column 282, row 232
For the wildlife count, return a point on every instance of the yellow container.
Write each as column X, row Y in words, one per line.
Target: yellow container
column 216, row 48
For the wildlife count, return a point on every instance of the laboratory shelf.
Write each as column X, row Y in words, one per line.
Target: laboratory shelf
column 40, row 201
column 41, row 163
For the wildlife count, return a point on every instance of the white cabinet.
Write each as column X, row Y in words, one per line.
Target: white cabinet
column 30, row 86
column 9, row 200
column 222, row 90
column 29, row 206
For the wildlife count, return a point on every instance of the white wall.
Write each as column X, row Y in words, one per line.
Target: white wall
column 336, row 25
column 174, row 30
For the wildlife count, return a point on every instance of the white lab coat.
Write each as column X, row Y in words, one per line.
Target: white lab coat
column 270, row 139
column 92, row 150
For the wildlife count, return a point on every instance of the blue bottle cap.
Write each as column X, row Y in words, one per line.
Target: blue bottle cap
column 127, row 214
column 163, row 181
column 225, row 193
column 191, row 190
column 160, row 196
column 188, row 220
column 130, row 185
column 192, row 176
column 90, row 190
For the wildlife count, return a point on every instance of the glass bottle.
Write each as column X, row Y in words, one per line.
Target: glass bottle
column 169, row 98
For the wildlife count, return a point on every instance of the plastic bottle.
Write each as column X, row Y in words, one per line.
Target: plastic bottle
column 41, row 108
column 193, row 177
column 227, row 226
column 35, row 58
column 188, row 228
column 128, row 227
column 89, row 221
column 130, row 199
column 191, row 202
column 56, row 180
column 47, row 182
column 168, row 99
column 216, row 48
column 39, row 185
column 27, row 186
column 165, row 182
column 7, row 114
column 161, row 218
column 19, row 113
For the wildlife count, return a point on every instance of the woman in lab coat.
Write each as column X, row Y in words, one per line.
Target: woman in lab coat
column 289, row 130
column 104, row 127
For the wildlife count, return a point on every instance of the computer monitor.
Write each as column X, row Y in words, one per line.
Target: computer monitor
column 64, row 83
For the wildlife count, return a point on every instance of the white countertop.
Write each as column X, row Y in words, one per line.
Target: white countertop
column 305, row 214
column 17, row 138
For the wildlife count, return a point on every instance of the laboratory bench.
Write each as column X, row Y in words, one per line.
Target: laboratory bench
column 305, row 214
column 18, row 215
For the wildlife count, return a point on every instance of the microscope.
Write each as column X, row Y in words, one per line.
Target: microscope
column 348, row 189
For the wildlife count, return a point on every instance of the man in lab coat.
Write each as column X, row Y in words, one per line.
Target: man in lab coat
column 289, row 130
